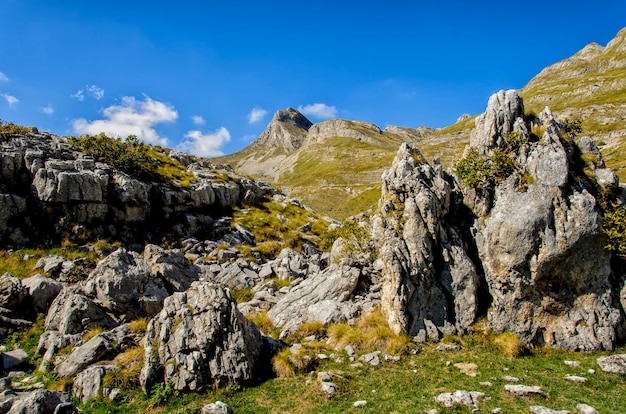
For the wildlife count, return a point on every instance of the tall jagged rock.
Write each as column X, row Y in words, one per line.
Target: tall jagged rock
column 539, row 234
column 430, row 283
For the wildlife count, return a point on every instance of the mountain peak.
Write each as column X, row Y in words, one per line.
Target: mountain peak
column 286, row 131
column 292, row 116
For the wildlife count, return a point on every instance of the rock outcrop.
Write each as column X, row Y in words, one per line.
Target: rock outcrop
column 540, row 242
column 430, row 283
column 535, row 255
column 323, row 297
column 200, row 338
column 74, row 196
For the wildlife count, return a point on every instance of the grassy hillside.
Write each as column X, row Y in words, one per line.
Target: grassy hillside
column 591, row 85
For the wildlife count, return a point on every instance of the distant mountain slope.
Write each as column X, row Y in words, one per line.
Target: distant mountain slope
column 334, row 166
column 591, row 85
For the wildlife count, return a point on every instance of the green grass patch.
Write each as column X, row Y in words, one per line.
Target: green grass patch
column 409, row 385
column 279, row 225
column 21, row 263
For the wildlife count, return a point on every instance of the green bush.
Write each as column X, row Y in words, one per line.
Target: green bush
column 9, row 128
column 128, row 155
column 614, row 227
column 572, row 127
column 135, row 158
column 481, row 171
column 475, row 170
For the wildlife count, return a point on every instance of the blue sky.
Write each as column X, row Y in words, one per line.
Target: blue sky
column 207, row 76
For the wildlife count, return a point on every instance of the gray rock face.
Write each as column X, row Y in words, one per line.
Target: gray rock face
column 217, row 407
column 12, row 292
column 538, row 409
column 504, row 110
column 96, row 349
column 200, row 338
column 70, row 189
column 42, row 291
column 541, row 247
column 586, row 409
column 42, row 402
column 323, row 297
column 122, row 283
column 87, row 384
column 72, row 312
column 287, row 130
column 12, row 359
column 101, row 346
column 467, row 398
column 428, row 276
column 522, row 390
column 360, row 131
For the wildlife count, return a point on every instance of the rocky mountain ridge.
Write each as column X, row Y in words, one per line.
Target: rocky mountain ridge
column 324, row 162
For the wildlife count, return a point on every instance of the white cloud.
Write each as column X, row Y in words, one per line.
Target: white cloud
column 198, row 120
column 256, row 115
column 48, row 109
column 205, row 144
column 91, row 90
column 11, row 100
column 95, row 92
column 319, row 110
column 132, row 117
column 3, row 77
column 80, row 95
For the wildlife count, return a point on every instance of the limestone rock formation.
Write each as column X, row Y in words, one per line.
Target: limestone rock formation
column 42, row 291
column 41, row 402
column 200, row 338
column 323, row 297
column 71, row 192
column 356, row 130
column 98, row 348
column 88, row 383
column 539, row 235
column 429, row 279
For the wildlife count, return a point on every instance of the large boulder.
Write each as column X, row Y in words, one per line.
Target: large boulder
column 429, row 279
column 200, row 338
column 123, row 283
column 87, row 384
column 539, row 236
column 12, row 292
column 72, row 312
column 98, row 348
column 42, row 291
column 42, row 402
column 323, row 297
column 172, row 267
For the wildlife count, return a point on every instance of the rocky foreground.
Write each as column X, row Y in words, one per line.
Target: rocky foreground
column 522, row 247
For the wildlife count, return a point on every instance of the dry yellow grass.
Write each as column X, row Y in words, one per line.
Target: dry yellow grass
column 370, row 332
column 510, row 344
column 138, row 326
column 282, row 365
column 92, row 332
